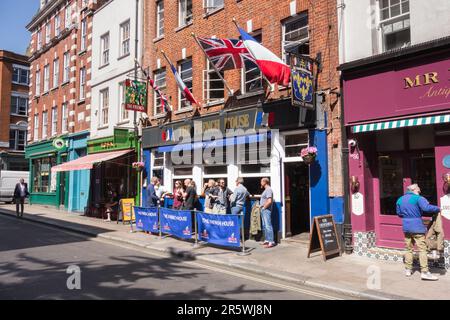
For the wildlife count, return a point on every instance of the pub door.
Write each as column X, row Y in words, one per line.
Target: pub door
column 297, row 199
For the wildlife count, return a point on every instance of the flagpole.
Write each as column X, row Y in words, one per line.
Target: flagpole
column 170, row 62
column 230, row 91
column 253, row 55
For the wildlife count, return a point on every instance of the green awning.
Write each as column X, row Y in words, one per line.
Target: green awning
column 401, row 123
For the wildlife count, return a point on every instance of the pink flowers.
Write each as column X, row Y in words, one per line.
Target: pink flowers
column 138, row 165
column 309, row 151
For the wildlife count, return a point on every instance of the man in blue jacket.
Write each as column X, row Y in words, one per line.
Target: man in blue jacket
column 410, row 208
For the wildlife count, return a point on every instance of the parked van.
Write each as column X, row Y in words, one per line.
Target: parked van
column 8, row 181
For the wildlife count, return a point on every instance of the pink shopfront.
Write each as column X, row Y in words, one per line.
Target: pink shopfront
column 397, row 116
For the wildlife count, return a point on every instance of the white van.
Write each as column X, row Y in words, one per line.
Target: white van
column 8, row 181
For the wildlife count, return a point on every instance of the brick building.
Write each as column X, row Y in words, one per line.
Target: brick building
column 14, row 79
column 60, row 99
column 301, row 27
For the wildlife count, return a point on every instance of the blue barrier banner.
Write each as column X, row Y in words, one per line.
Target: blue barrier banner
column 147, row 219
column 176, row 222
column 219, row 229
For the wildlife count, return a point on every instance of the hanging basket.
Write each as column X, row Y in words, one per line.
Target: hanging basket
column 309, row 159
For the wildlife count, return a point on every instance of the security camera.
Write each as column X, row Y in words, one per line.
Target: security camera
column 352, row 143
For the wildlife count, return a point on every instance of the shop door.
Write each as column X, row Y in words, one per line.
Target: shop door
column 297, row 198
column 396, row 172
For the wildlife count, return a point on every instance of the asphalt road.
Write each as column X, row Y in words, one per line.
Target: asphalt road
column 34, row 259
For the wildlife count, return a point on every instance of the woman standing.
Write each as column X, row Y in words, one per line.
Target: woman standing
column 178, row 195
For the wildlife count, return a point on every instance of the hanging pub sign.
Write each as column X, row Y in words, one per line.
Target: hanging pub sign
column 135, row 95
column 302, row 83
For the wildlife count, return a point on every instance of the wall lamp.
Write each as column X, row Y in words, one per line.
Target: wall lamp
column 354, row 184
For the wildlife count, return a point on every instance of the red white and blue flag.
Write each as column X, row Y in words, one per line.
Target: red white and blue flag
column 225, row 54
column 164, row 101
column 185, row 90
column 273, row 68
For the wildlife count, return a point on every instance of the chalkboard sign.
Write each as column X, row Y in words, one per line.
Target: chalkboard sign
column 323, row 237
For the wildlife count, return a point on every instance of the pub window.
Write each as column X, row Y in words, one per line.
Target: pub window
column 295, row 36
column 213, row 86
column 158, row 165
column 159, row 77
column 184, row 12
column 185, row 71
column 251, row 75
column 395, row 24
column 295, row 143
column 181, row 173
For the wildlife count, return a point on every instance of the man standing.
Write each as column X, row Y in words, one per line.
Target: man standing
column 222, row 200
column 266, row 203
column 152, row 198
column 239, row 197
column 20, row 193
column 190, row 195
column 410, row 208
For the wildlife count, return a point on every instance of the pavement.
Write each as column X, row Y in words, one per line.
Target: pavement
column 349, row 275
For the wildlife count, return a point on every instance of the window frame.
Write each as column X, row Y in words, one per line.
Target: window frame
column 207, row 84
column 124, row 40
column 102, row 122
column 64, row 117
column 54, row 126
column 163, row 89
column 46, row 78
column 159, row 18
column 16, row 144
column 208, row 9
column 104, row 52
column 122, row 110
column 183, row 18
column 36, row 127
column 82, row 89
column 402, row 17
column 55, row 73
column 19, row 70
column 181, row 98
column 57, row 25
column 18, row 96
column 244, row 71
column 67, row 16
column 44, row 124
column 83, row 42
column 66, row 67
column 48, row 32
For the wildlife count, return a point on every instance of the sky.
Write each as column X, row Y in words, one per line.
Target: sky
column 14, row 16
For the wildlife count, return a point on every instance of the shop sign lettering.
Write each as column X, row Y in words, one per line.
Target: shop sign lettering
column 106, row 145
column 427, row 79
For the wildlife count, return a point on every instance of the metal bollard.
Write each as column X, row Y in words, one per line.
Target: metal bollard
column 159, row 222
column 243, row 252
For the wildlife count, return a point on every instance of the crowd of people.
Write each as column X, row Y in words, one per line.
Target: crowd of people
column 219, row 199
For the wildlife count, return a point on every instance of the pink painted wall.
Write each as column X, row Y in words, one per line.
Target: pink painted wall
column 440, row 152
column 382, row 93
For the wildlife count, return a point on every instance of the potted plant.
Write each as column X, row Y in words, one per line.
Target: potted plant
column 308, row 154
column 139, row 166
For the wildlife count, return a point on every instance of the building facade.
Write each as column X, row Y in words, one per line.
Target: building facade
column 114, row 49
column 397, row 114
column 272, row 131
column 14, row 81
column 60, row 100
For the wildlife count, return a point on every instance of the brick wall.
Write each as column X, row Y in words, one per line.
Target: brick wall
column 267, row 16
column 79, row 110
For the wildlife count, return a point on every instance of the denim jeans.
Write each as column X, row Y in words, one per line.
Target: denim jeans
column 237, row 210
column 266, row 217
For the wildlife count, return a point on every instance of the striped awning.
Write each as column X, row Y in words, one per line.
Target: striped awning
column 401, row 123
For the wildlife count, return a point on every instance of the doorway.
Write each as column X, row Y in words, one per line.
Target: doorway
column 297, row 199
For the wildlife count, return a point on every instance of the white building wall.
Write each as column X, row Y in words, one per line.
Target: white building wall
column 360, row 34
column 108, row 19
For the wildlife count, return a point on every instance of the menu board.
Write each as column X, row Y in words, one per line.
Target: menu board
column 323, row 237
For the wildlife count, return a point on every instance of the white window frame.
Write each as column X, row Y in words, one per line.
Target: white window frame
column 284, row 43
column 48, row 31
column 54, row 128
column 37, row 91
column 207, row 84
column 125, row 40
column 36, row 127
column 18, row 96
column 46, row 78
column 57, row 24
column 104, row 108
column 124, row 114
column 82, row 83
column 39, row 39
column 66, row 66
column 44, row 124
column 83, row 43
column 210, row 6
column 181, row 98
column 244, row 71
column 56, row 73
column 16, row 129
column 183, row 18
column 64, row 117
column 68, row 16
column 402, row 18
column 163, row 89
column 159, row 18
column 21, row 69
column 104, row 49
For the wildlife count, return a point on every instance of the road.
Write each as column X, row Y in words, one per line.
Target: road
column 34, row 259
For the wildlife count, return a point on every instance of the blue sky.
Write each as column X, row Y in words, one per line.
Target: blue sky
column 14, row 16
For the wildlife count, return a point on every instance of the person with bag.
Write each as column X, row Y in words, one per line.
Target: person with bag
column 178, row 196
column 209, row 192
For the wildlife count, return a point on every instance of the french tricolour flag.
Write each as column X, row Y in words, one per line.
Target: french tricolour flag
column 273, row 68
column 186, row 93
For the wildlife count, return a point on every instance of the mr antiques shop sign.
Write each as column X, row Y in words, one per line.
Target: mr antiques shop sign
column 238, row 122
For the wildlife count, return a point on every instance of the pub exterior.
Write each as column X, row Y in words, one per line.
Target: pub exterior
column 397, row 117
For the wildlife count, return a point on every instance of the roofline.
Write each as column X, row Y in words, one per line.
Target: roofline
column 42, row 13
column 14, row 57
column 398, row 54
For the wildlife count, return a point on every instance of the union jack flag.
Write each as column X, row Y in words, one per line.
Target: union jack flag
column 225, row 54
